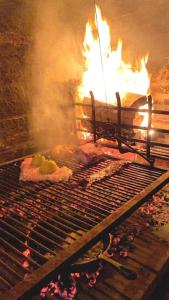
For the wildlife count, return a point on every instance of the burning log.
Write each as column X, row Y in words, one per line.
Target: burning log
column 105, row 111
column 106, row 115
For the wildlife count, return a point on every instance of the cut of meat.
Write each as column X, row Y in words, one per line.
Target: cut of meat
column 113, row 168
column 31, row 173
column 89, row 153
column 84, row 154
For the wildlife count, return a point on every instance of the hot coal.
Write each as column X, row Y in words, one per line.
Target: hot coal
column 66, row 286
column 156, row 211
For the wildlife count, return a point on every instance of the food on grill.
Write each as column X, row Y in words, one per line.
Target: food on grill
column 37, row 160
column 62, row 151
column 86, row 154
column 112, row 168
column 32, row 173
column 48, row 167
column 89, row 153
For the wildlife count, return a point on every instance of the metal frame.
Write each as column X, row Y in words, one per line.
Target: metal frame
column 148, row 154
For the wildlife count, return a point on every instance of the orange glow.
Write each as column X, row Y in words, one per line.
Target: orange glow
column 26, row 252
column 85, row 135
column 105, row 71
column 26, row 264
column 144, row 123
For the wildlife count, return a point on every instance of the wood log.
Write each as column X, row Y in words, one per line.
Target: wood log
column 105, row 112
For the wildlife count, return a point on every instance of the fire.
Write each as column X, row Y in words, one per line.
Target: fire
column 144, row 122
column 105, row 71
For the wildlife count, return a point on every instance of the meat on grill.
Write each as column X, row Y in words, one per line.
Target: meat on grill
column 85, row 154
column 89, row 153
column 112, row 168
column 31, row 173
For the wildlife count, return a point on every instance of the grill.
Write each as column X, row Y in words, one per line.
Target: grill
column 37, row 219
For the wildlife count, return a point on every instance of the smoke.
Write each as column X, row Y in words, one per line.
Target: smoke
column 57, row 59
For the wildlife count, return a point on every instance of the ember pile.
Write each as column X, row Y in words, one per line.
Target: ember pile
column 66, row 287
column 156, row 210
column 154, row 213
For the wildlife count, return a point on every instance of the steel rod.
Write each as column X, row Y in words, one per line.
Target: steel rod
column 125, row 108
column 9, row 285
column 93, row 115
column 119, row 120
column 148, row 145
column 27, row 237
column 17, row 252
column 7, row 267
column 15, row 260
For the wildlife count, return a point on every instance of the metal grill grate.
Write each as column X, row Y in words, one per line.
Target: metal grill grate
column 37, row 219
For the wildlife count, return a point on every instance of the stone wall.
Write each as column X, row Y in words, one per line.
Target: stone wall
column 15, row 42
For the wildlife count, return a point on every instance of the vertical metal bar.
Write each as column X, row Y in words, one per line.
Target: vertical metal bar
column 93, row 115
column 73, row 107
column 149, row 99
column 119, row 120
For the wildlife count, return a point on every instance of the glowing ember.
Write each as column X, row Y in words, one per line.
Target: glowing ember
column 26, row 264
column 91, row 278
column 26, row 253
column 64, row 288
column 106, row 72
column 156, row 210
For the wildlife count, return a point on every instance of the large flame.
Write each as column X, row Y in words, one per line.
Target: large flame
column 105, row 71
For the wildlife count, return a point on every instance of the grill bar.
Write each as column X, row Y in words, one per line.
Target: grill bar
column 19, row 208
column 14, row 260
column 41, row 235
column 35, row 223
column 5, row 282
column 22, row 235
column 55, row 222
column 43, row 196
column 20, row 242
column 10, row 269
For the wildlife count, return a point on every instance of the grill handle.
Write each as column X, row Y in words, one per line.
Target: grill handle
column 126, row 272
